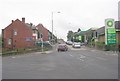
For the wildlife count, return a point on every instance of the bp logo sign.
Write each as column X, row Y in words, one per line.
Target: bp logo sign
column 110, row 32
column 109, row 23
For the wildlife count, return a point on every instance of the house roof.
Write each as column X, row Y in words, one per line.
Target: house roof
column 16, row 21
column 81, row 32
column 40, row 26
column 12, row 23
column 30, row 25
column 101, row 30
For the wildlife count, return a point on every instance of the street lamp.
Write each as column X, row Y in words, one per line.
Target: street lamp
column 52, row 26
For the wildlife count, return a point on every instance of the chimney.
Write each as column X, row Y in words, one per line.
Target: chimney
column 12, row 21
column 23, row 20
column 31, row 24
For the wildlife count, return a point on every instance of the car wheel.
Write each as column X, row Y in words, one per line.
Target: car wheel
column 66, row 49
column 58, row 50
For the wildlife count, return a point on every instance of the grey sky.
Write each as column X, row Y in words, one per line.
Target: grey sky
column 74, row 14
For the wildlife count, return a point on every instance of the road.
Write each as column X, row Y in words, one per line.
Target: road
column 81, row 63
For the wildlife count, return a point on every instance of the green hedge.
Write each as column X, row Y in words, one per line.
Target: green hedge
column 100, row 43
column 23, row 50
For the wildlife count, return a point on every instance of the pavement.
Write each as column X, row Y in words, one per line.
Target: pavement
column 81, row 63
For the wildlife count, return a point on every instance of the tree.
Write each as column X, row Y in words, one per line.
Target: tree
column 70, row 35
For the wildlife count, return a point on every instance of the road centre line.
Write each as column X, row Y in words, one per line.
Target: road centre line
column 80, row 59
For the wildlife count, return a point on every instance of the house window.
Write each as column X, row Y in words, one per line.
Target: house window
column 9, row 41
column 28, row 39
column 15, row 32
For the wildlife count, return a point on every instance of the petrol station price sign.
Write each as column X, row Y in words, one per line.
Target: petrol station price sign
column 110, row 32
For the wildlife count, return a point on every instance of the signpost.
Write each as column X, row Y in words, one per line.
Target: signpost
column 41, row 37
column 110, row 32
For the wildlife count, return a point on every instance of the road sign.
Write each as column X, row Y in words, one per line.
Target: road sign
column 109, row 23
column 110, row 32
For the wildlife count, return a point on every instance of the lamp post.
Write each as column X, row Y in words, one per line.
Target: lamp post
column 52, row 26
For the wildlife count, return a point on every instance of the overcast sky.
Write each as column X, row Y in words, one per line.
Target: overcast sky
column 73, row 14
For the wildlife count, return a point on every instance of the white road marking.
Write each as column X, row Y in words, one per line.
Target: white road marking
column 82, row 56
column 71, row 55
column 100, row 58
column 80, row 59
column 13, row 57
column 111, row 54
column 93, row 50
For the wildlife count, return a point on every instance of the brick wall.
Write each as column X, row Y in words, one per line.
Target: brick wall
column 20, row 35
column 44, row 31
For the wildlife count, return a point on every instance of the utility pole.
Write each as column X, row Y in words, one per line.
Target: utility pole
column 52, row 27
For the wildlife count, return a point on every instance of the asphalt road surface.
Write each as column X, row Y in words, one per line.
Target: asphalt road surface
column 76, row 63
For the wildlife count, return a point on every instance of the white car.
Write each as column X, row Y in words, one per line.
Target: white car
column 69, row 42
column 76, row 45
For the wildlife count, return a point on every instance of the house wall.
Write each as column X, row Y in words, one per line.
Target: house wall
column 44, row 31
column 101, row 38
column 20, row 40
column 118, row 37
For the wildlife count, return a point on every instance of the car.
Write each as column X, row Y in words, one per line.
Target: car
column 82, row 44
column 69, row 42
column 45, row 43
column 62, row 47
column 76, row 45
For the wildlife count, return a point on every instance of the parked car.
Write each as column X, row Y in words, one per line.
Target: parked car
column 76, row 45
column 45, row 43
column 69, row 42
column 62, row 47
column 82, row 44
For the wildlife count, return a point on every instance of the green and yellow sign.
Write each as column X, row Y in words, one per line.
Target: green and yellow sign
column 110, row 31
column 110, row 23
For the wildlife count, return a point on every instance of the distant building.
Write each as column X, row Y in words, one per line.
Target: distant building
column 82, row 34
column 99, row 34
column 89, row 35
column 36, row 33
column 17, row 35
column 43, row 32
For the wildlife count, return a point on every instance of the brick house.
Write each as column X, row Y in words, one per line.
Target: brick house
column 43, row 31
column 17, row 35
column 35, row 31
